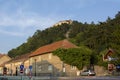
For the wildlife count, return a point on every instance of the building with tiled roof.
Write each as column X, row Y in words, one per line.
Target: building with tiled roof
column 45, row 63
column 14, row 64
column 51, row 47
column 3, row 59
column 108, row 57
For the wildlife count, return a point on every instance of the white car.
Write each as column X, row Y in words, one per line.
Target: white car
column 88, row 73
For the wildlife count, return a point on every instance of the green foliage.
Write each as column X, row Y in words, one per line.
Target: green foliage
column 76, row 28
column 41, row 38
column 117, row 15
column 97, row 37
column 100, row 61
column 115, row 58
column 78, row 57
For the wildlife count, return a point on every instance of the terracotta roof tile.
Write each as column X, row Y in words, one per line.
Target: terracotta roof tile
column 21, row 58
column 51, row 47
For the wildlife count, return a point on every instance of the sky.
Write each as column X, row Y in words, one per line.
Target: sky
column 19, row 19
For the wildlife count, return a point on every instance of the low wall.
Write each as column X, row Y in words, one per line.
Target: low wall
column 100, row 71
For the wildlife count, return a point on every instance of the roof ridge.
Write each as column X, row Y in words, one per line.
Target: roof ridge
column 65, row 40
column 53, row 46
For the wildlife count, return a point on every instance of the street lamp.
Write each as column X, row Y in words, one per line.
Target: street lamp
column 16, row 71
column 11, row 70
column 35, row 67
column 63, row 69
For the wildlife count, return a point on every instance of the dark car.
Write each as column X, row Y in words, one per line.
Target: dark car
column 88, row 73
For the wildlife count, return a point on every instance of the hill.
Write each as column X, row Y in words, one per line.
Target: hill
column 97, row 37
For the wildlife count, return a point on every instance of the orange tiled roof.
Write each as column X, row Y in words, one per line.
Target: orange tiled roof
column 51, row 47
column 21, row 58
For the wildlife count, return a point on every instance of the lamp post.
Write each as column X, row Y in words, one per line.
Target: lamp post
column 16, row 71
column 11, row 70
column 35, row 67
column 63, row 69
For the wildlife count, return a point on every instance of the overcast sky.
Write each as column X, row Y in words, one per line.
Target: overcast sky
column 19, row 19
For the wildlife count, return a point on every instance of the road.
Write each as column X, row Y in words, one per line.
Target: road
column 59, row 78
column 90, row 78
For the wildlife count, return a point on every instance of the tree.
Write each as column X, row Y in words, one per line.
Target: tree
column 97, row 37
column 117, row 15
column 41, row 38
column 78, row 57
column 100, row 61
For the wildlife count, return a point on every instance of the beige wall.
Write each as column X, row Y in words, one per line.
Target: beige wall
column 100, row 71
column 4, row 59
column 1, row 70
column 13, row 65
column 9, row 67
column 26, row 64
column 50, row 58
column 56, row 63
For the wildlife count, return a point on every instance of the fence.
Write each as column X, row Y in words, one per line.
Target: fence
column 35, row 78
column 58, row 78
column 14, row 78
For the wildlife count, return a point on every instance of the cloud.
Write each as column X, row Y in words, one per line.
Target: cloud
column 21, row 23
column 11, row 33
column 19, row 20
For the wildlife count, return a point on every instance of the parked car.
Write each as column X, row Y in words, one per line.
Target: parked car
column 88, row 73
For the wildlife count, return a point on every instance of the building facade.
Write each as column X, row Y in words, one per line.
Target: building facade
column 13, row 66
column 108, row 57
column 63, row 22
column 45, row 63
column 3, row 59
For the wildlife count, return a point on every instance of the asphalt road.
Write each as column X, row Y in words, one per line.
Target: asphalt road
column 60, row 78
column 89, row 78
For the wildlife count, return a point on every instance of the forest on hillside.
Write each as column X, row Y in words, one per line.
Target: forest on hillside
column 97, row 37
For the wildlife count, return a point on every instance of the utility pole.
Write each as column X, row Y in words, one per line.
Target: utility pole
column 35, row 67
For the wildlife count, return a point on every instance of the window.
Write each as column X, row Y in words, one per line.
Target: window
column 63, row 69
column 73, row 67
column 50, row 67
column 39, row 68
column 50, row 56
